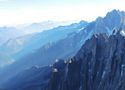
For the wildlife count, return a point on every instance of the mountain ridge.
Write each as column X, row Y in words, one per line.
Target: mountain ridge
column 75, row 40
column 99, row 64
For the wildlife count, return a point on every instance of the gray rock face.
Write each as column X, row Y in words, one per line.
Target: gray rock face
column 99, row 65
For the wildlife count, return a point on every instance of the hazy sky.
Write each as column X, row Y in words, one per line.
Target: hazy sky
column 14, row 12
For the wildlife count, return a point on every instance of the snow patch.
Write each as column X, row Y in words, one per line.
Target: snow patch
column 103, row 74
column 65, row 61
column 55, row 70
column 70, row 61
column 122, row 66
column 122, row 32
column 56, row 60
column 50, row 65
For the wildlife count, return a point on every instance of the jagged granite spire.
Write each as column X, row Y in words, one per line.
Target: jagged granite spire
column 99, row 65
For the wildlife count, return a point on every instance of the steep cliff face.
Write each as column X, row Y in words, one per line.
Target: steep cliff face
column 99, row 65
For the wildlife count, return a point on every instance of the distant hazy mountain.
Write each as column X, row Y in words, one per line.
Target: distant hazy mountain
column 30, row 44
column 7, row 32
column 46, row 25
column 5, row 60
column 112, row 21
column 20, row 46
column 16, row 40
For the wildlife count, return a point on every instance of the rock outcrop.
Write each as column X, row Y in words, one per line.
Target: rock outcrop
column 99, row 65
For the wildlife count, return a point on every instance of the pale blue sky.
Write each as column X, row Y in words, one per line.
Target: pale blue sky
column 14, row 12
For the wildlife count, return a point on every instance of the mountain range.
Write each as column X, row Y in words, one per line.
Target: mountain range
column 11, row 32
column 99, row 64
column 70, row 45
column 20, row 46
column 94, row 46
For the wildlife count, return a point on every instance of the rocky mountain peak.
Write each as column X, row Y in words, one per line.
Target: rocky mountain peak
column 100, row 64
